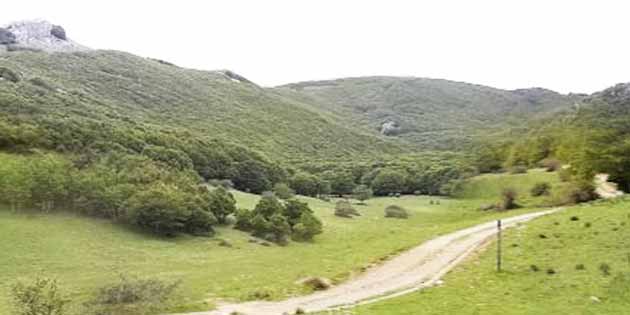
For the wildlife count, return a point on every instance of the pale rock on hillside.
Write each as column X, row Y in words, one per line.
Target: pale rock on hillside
column 36, row 35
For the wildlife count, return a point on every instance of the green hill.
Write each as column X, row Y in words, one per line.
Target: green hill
column 429, row 113
column 116, row 89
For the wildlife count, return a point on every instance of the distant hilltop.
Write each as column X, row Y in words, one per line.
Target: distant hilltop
column 36, row 35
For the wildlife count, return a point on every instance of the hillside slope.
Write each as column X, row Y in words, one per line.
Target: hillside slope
column 115, row 88
column 430, row 113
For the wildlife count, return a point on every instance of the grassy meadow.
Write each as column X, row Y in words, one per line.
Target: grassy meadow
column 553, row 265
column 85, row 253
column 485, row 188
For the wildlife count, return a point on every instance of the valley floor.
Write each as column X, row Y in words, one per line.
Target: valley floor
column 417, row 268
column 85, row 253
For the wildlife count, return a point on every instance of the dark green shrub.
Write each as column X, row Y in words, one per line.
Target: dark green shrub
column 307, row 228
column 167, row 210
column 578, row 192
column 132, row 296
column 42, row 297
column 341, row 183
column 508, row 199
column 275, row 222
column 580, row 267
column 222, row 203
column 540, row 189
column 243, row 220
column 268, row 206
column 305, row 184
column 395, row 211
column 279, row 229
column 294, row 209
column 389, row 182
column 344, row 209
column 605, row 269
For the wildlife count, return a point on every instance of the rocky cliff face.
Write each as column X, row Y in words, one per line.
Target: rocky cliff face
column 36, row 35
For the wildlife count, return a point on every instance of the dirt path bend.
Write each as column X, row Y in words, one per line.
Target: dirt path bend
column 415, row 269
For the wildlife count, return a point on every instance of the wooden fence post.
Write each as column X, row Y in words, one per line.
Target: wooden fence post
column 499, row 245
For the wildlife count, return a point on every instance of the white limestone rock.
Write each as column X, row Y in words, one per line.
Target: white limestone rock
column 40, row 35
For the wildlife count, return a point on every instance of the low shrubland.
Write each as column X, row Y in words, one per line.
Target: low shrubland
column 398, row 212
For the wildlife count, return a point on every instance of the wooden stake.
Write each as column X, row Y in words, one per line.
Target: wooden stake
column 499, row 245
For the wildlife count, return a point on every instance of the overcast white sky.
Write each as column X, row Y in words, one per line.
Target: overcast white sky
column 568, row 46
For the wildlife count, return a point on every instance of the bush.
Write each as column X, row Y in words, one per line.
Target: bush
column 389, row 182
column 344, row 209
column 305, row 184
column 243, row 220
column 341, row 183
column 316, row 283
column 394, row 211
column 167, row 210
column 275, row 222
column 508, row 199
column 307, row 228
column 578, row 192
column 283, row 191
column 540, row 189
column 294, row 209
column 132, row 296
column 222, row 203
column 42, row 297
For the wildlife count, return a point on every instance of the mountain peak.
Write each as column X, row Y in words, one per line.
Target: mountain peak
column 36, row 35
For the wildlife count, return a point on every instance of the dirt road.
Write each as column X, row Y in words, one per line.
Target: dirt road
column 415, row 269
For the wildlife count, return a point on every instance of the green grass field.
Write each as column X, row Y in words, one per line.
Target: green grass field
column 486, row 188
column 599, row 236
column 85, row 253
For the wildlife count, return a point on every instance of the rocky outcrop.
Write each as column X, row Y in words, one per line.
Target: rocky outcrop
column 37, row 35
column 6, row 37
column 58, row 32
column 390, row 128
column 235, row 77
